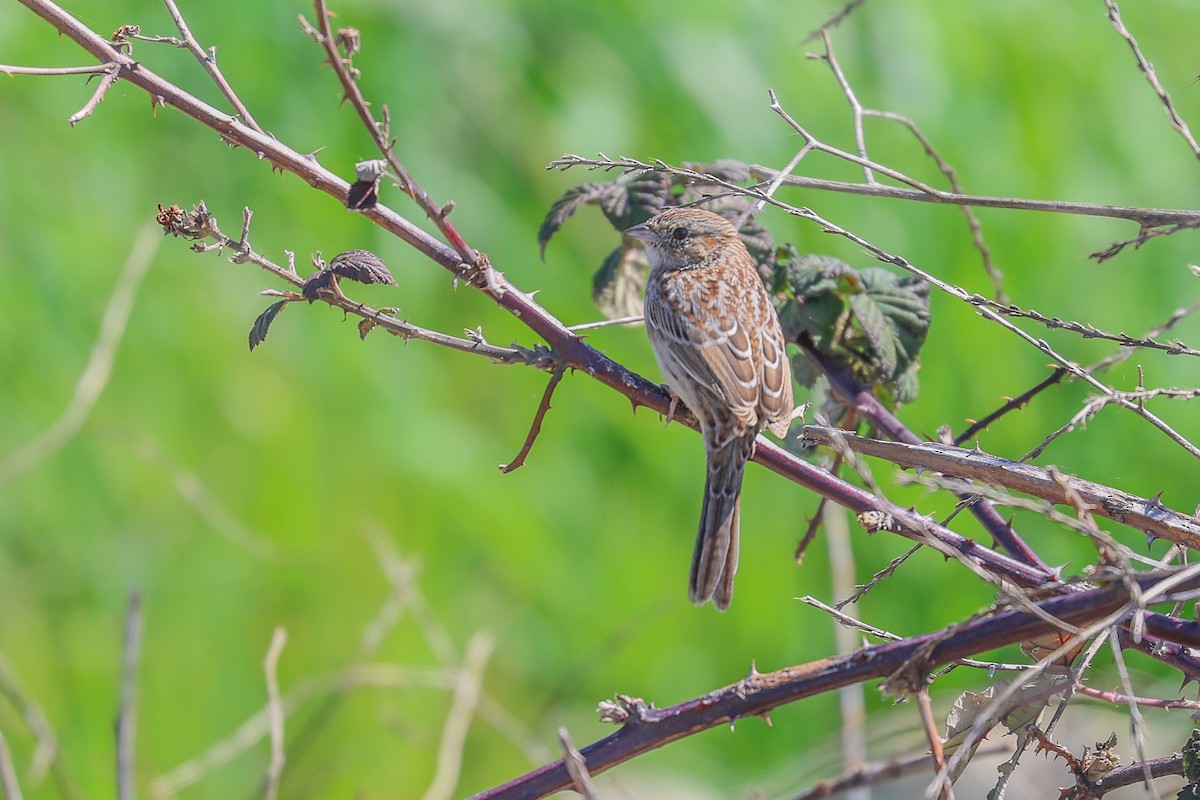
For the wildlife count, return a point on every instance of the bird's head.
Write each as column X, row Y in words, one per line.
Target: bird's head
column 681, row 238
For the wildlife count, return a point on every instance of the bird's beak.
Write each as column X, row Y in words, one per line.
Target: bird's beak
column 642, row 232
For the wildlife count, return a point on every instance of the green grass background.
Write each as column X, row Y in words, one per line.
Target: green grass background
column 575, row 564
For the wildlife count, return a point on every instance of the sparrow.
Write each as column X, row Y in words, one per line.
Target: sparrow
column 719, row 344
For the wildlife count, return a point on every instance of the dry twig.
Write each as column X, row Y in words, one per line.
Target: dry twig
column 98, row 369
column 275, row 712
column 127, row 715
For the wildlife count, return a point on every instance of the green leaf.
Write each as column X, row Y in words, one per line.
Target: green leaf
column 871, row 322
column 727, row 169
column 637, row 198
column 618, row 285
column 258, row 331
column 804, row 372
column 784, row 255
column 819, row 316
column 904, row 301
column 878, row 330
column 1191, row 757
column 811, row 275
column 761, row 245
column 906, row 386
column 630, row 199
column 567, row 205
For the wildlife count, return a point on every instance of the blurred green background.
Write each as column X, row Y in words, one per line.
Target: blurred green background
column 244, row 491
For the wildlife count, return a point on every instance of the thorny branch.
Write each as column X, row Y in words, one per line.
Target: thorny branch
column 381, row 133
column 536, row 427
column 208, row 60
column 201, row 224
column 859, row 112
column 1147, row 69
column 1147, row 515
column 1146, row 217
column 644, row 728
column 847, row 390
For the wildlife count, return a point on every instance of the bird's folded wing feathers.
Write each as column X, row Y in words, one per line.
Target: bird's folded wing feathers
column 725, row 362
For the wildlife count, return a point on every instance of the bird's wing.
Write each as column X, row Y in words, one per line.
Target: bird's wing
column 713, row 352
column 775, row 399
column 739, row 359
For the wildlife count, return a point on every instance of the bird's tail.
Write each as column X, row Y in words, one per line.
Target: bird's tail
column 716, row 558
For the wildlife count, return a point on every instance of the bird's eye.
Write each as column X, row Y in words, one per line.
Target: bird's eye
column 681, row 234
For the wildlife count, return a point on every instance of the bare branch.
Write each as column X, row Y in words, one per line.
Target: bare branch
column 856, row 108
column 382, row 318
column 1136, row 773
column 1137, row 721
column 872, row 774
column 8, row 773
column 466, row 696
column 127, row 716
column 1143, row 514
column 1011, row 404
column 96, row 373
column 1059, row 373
column 605, row 323
column 46, row 754
column 645, row 728
column 581, row 780
column 835, row 19
column 1094, row 405
column 379, row 133
column 97, row 69
column 1087, row 331
column 1115, row 698
column 974, row 226
column 886, row 572
column 536, row 427
column 208, row 60
column 110, row 77
column 925, row 707
column 847, row 621
column 1147, row 69
column 275, row 712
column 1147, row 217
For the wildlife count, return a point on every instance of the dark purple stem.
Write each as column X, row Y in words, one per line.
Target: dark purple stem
column 759, row 693
column 855, row 396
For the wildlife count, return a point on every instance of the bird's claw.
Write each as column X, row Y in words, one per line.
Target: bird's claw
column 672, row 408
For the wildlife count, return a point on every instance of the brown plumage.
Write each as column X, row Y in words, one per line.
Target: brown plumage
column 720, row 346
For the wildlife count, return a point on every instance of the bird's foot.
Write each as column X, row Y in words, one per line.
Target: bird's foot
column 674, row 405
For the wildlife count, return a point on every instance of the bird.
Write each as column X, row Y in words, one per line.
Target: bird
column 718, row 341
